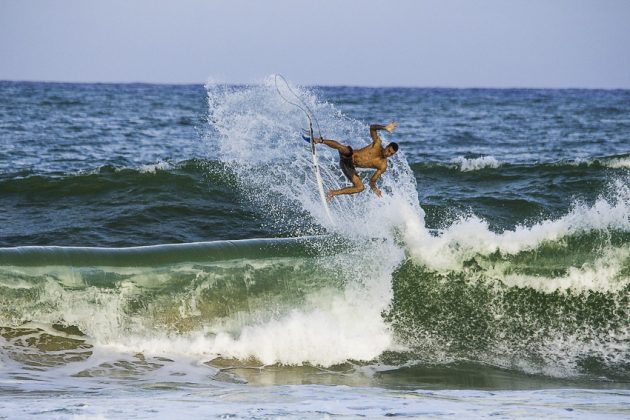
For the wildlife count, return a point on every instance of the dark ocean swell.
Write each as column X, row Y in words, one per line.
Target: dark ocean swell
column 189, row 201
column 200, row 200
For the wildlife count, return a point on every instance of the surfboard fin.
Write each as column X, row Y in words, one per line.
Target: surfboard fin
column 306, row 136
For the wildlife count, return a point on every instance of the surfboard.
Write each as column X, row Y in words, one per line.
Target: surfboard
column 311, row 139
column 318, row 175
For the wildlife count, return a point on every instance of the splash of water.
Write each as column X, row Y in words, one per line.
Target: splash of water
column 257, row 135
column 257, row 129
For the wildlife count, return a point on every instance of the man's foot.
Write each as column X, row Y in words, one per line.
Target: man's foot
column 329, row 196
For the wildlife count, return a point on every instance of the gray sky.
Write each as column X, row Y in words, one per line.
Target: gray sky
column 451, row 43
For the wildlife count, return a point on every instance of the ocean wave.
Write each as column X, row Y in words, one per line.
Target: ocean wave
column 532, row 298
column 463, row 164
column 155, row 255
column 276, row 300
column 110, row 176
column 298, row 301
column 613, row 162
column 389, row 285
column 472, row 315
column 471, row 235
column 116, row 206
column 618, row 163
column 474, row 164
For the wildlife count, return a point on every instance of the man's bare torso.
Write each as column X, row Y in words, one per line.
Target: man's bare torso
column 369, row 157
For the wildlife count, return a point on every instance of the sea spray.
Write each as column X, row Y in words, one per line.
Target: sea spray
column 467, row 252
column 259, row 139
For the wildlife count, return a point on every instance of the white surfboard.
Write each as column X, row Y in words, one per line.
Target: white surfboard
column 318, row 175
column 307, row 111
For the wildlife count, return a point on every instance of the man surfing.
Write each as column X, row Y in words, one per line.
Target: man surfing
column 373, row 156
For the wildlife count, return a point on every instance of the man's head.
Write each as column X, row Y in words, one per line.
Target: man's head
column 390, row 149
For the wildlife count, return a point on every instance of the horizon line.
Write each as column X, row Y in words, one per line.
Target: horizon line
column 313, row 85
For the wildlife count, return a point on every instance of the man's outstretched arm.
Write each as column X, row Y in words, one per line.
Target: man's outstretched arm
column 374, row 128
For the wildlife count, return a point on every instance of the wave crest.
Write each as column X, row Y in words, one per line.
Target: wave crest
column 474, row 164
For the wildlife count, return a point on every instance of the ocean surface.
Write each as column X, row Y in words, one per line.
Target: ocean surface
column 164, row 252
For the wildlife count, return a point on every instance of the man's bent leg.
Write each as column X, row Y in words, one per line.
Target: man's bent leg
column 357, row 187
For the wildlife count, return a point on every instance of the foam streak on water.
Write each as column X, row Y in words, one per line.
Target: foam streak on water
column 317, row 402
column 474, row 164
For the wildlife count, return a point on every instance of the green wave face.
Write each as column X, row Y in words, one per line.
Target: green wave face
column 294, row 301
column 533, row 311
column 174, row 288
column 270, row 301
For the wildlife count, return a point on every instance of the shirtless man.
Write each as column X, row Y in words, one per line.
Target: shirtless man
column 372, row 156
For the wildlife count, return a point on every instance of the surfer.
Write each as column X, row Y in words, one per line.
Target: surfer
column 373, row 156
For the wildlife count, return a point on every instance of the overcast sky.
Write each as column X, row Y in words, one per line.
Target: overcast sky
column 450, row 43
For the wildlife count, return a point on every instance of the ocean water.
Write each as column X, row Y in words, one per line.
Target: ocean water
column 164, row 252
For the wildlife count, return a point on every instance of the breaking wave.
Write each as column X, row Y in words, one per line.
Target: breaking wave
column 374, row 286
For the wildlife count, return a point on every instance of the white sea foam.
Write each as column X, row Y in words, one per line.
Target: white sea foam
column 471, row 235
column 322, row 336
column 618, row 163
column 622, row 162
column 152, row 168
column 605, row 274
column 475, row 164
column 330, row 327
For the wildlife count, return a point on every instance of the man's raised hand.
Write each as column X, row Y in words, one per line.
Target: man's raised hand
column 390, row 127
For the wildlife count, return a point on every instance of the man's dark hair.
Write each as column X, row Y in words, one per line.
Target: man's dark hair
column 394, row 146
